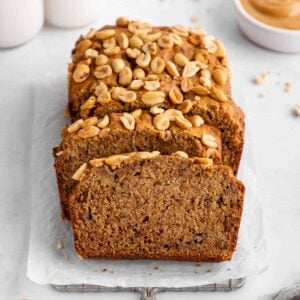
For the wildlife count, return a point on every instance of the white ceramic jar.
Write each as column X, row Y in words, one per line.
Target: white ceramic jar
column 70, row 13
column 20, row 20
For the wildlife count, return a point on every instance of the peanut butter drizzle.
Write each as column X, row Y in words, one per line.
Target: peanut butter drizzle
column 277, row 13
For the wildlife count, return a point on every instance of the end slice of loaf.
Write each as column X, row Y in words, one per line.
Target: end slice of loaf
column 115, row 138
column 134, row 65
column 149, row 206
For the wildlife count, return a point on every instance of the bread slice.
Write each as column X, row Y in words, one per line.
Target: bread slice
column 77, row 148
column 149, row 206
column 133, row 65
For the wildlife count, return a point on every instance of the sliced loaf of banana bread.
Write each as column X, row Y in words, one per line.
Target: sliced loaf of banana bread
column 133, row 65
column 116, row 133
column 149, row 206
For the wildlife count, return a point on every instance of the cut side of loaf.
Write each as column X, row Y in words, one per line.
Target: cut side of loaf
column 179, row 209
column 83, row 141
column 136, row 66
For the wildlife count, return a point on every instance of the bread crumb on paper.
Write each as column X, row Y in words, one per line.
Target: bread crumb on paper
column 287, row 87
column 194, row 19
column 59, row 245
column 261, row 78
column 297, row 110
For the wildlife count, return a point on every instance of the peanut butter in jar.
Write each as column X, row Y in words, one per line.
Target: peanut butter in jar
column 277, row 13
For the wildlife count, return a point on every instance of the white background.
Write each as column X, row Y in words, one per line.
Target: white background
column 276, row 140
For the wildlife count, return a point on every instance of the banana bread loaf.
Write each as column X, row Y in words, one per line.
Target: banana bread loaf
column 133, row 65
column 166, row 131
column 180, row 208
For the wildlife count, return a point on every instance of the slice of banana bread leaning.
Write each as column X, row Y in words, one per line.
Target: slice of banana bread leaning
column 116, row 133
column 149, row 206
column 134, row 65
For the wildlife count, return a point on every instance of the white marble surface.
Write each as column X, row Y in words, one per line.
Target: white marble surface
column 276, row 139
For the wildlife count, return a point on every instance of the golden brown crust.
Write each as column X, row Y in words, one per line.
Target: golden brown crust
column 208, row 228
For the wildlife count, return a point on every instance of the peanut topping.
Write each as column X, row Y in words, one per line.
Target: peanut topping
column 136, row 42
column 136, row 113
column 115, row 160
column 207, row 162
column 209, row 141
column 125, row 76
column 205, row 73
column 220, row 76
column 123, row 41
column 150, row 47
column 175, row 95
column 153, row 37
column 145, row 155
column 181, row 154
column 83, row 45
column 180, row 59
column 165, row 42
column 218, row 94
column 175, row 38
column 172, row 113
column 127, row 96
column 190, row 69
column 101, row 60
column 136, row 84
column 133, row 52
column 172, row 69
column 87, row 132
column 78, row 174
column 89, row 103
column 183, row 123
column 154, row 110
column 103, row 71
column 151, row 77
column 196, row 121
column 109, row 43
column 100, row 88
column 143, row 60
column 75, row 126
column 105, row 34
column 97, row 162
column 206, row 82
column 90, row 122
column 185, row 107
column 200, row 90
column 118, row 65
column 112, row 51
column 138, row 73
column 137, row 26
column 161, row 122
column 151, row 85
column 115, row 92
column 90, row 34
column 103, row 122
column 128, row 121
column 81, row 73
column 186, row 85
column 104, row 98
column 152, row 98
column 157, row 65
column 91, row 53
column 180, row 30
column 122, row 22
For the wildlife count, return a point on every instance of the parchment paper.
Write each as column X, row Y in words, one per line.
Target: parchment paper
column 47, row 264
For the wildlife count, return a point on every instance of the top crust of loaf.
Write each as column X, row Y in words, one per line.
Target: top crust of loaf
column 159, row 65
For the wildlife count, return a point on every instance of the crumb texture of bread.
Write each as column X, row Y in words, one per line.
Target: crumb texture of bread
column 116, row 139
column 178, row 210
